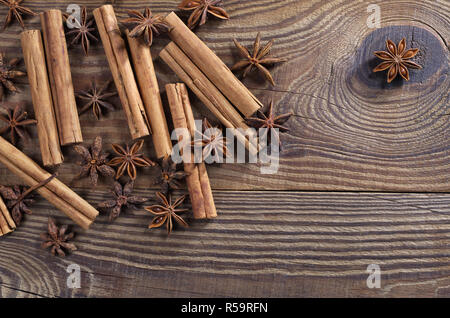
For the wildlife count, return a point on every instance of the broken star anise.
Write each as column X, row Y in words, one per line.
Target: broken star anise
column 146, row 25
column 200, row 10
column 8, row 72
column 396, row 60
column 96, row 99
column 58, row 239
column 269, row 121
column 16, row 11
column 170, row 176
column 213, row 142
column 166, row 212
column 16, row 121
column 94, row 161
column 18, row 198
column 122, row 198
column 257, row 59
column 127, row 159
column 83, row 31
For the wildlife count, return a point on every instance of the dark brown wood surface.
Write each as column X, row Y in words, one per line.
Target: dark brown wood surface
column 296, row 233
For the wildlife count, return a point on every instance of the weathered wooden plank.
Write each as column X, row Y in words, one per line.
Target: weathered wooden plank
column 350, row 131
column 265, row 244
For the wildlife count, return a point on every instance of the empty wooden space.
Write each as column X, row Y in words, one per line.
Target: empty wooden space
column 364, row 174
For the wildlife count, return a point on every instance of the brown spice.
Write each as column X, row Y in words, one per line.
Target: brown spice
column 94, row 161
column 18, row 199
column 96, row 99
column 258, row 58
column 122, row 198
column 83, row 32
column 167, row 212
column 16, row 11
column 200, row 10
column 213, row 142
column 58, row 239
column 396, row 60
column 8, row 72
column 270, row 121
column 16, row 121
column 127, row 159
column 170, row 177
column 146, row 25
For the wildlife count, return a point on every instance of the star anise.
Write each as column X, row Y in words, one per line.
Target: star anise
column 200, row 9
column 8, row 72
column 16, row 122
column 83, row 31
column 269, row 121
column 94, row 161
column 396, row 60
column 258, row 58
column 213, row 142
column 170, row 176
column 96, row 98
column 146, row 25
column 122, row 198
column 129, row 158
column 58, row 239
column 15, row 10
column 18, row 199
column 167, row 212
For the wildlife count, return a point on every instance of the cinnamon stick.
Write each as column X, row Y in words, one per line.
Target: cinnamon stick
column 197, row 181
column 57, row 193
column 210, row 207
column 34, row 57
column 205, row 90
column 148, row 84
column 60, row 78
column 6, row 222
column 212, row 66
column 120, row 65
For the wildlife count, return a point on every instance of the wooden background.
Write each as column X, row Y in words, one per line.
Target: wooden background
column 364, row 176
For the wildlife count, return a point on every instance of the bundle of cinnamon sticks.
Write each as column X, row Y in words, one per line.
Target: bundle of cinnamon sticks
column 210, row 79
column 138, row 87
column 48, row 67
column 57, row 193
column 197, row 180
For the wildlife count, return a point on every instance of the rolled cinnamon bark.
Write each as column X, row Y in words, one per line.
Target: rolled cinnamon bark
column 197, row 180
column 56, row 192
column 148, row 84
column 120, row 65
column 60, row 78
column 7, row 224
column 34, row 57
column 212, row 66
column 207, row 92
column 210, row 207
column 193, row 177
column 191, row 75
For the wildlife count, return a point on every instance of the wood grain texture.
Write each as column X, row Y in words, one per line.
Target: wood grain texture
column 315, row 244
column 350, row 132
